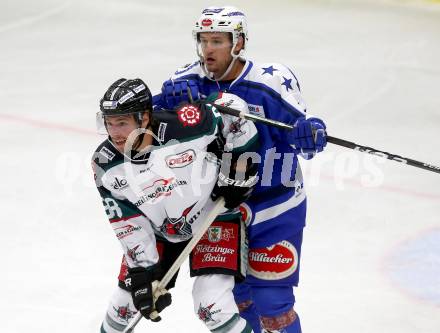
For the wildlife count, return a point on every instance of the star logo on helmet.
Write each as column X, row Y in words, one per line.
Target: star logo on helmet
column 189, row 115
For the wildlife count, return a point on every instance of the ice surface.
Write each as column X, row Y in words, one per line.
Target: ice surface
column 369, row 68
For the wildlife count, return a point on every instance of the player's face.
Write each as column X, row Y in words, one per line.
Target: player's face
column 216, row 49
column 119, row 128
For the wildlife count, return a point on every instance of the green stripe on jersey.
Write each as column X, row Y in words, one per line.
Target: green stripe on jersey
column 250, row 146
column 226, row 327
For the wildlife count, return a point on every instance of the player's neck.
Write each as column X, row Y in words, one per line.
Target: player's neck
column 235, row 71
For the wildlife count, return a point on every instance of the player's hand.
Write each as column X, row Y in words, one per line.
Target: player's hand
column 142, row 288
column 235, row 190
column 161, row 298
column 175, row 92
column 308, row 135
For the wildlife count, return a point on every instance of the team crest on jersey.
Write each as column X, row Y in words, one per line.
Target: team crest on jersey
column 205, row 313
column 124, row 313
column 273, row 263
column 181, row 226
column 189, row 115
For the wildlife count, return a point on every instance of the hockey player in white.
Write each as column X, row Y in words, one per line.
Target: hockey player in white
column 156, row 173
column 276, row 210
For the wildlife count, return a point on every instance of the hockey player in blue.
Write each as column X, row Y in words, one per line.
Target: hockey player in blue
column 276, row 212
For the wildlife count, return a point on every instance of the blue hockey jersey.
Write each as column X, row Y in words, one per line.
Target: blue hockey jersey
column 277, row 207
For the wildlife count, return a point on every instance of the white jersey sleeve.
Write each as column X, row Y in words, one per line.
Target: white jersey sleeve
column 239, row 133
column 130, row 225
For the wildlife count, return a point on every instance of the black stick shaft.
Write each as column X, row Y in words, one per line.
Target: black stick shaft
column 383, row 154
column 331, row 139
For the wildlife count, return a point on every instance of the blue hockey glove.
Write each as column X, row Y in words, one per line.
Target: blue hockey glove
column 308, row 135
column 175, row 92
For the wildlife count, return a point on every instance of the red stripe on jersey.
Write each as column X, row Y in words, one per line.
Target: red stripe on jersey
column 125, row 218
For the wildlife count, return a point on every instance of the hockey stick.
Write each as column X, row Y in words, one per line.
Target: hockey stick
column 331, row 139
column 211, row 210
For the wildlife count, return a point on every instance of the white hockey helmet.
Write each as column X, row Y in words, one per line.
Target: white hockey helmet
column 222, row 19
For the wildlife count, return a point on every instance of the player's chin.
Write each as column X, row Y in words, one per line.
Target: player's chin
column 119, row 143
column 211, row 66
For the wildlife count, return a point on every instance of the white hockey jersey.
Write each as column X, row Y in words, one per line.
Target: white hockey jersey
column 163, row 192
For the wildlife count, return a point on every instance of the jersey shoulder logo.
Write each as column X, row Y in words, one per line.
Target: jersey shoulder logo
column 189, row 115
column 107, row 153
